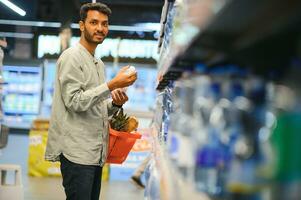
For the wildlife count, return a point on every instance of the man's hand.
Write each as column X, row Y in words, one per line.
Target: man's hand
column 122, row 79
column 119, row 97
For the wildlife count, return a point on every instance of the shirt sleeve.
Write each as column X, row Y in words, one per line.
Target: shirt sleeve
column 74, row 94
column 111, row 109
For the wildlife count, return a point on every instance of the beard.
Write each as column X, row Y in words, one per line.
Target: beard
column 89, row 37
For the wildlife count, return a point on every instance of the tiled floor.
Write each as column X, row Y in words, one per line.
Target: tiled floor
column 50, row 188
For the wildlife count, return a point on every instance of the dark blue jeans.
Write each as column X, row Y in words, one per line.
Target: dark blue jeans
column 81, row 182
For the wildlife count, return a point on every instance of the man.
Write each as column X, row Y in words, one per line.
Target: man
column 78, row 132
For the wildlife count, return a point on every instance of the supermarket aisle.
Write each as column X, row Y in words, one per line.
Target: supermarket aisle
column 16, row 152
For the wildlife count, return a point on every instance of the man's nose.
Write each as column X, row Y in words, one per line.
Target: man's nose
column 99, row 27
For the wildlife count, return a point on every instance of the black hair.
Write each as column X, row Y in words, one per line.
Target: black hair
column 103, row 8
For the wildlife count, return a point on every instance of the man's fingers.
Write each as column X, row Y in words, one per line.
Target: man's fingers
column 124, row 96
column 115, row 96
column 119, row 96
column 124, row 68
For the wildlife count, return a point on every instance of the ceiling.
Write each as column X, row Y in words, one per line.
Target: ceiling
column 124, row 12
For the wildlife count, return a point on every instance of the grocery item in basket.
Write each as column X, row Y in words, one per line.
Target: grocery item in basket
column 121, row 122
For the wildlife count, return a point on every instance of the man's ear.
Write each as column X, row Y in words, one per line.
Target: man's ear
column 81, row 26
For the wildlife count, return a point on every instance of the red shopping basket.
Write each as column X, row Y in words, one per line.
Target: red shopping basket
column 120, row 144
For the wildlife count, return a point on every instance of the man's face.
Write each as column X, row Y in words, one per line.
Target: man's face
column 3, row 42
column 96, row 27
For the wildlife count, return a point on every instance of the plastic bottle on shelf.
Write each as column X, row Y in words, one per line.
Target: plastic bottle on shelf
column 219, row 128
column 167, row 109
column 244, row 180
column 152, row 176
column 181, row 131
column 209, row 158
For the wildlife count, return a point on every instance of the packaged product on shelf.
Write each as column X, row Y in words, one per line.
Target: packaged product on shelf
column 245, row 177
column 285, row 138
column 167, row 109
column 152, row 176
column 182, row 127
column 211, row 156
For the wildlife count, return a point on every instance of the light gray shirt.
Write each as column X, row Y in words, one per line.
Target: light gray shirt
column 80, row 109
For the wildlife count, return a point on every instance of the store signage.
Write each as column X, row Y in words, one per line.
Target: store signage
column 124, row 48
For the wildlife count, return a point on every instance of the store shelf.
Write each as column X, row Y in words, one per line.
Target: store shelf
column 23, row 112
column 257, row 33
column 17, row 125
column 22, row 92
column 23, row 69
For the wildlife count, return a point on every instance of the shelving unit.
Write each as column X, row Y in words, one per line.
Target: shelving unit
column 255, row 37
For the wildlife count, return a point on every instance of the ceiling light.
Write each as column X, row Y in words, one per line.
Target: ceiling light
column 13, row 7
column 17, row 35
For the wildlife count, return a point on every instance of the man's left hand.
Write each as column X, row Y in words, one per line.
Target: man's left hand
column 119, row 97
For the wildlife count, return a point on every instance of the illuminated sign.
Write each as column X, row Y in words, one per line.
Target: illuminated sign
column 128, row 48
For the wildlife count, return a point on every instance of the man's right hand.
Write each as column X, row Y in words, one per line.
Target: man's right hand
column 122, row 79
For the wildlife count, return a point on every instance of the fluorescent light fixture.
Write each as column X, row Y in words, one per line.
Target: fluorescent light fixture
column 149, row 25
column 13, row 7
column 17, row 35
column 30, row 23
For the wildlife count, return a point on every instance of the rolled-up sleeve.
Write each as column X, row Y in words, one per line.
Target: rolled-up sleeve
column 72, row 82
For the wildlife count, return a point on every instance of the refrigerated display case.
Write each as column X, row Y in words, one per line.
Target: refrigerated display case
column 21, row 95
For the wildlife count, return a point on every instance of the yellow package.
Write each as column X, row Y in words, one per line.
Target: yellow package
column 105, row 172
column 37, row 165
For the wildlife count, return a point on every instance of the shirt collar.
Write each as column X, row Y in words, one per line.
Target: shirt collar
column 95, row 60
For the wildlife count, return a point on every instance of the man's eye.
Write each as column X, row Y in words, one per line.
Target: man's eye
column 93, row 23
column 105, row 24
